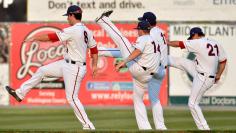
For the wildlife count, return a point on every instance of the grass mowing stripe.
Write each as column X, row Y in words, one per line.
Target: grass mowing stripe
column 61, row 119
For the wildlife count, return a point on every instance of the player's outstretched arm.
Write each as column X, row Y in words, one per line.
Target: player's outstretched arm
column 109, row 52
column 43, row 38
column 221, row 68
column 174, row 43
column 132, row 56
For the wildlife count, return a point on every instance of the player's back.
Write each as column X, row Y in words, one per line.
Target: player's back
column 79, row 39
column 208, row 53
column 158, row 35
column 150, row 57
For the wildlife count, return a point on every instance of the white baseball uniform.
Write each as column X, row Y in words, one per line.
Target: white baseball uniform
column 182, row 64
column 208, row 54
column 155, row 84
column 72, row 68
column 158, row 35
column 140, row 68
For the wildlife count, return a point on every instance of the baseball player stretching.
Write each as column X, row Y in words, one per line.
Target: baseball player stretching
column 207, row 68
column 72, row 68
column 143, row 61
column 155, row 84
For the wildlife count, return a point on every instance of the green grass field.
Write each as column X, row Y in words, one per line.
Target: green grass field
column 63, row 119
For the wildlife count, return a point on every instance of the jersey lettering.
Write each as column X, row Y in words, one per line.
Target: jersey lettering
column 156, row 48
column 211, row 50
column 217, row 50
column 85, row 37
column 163, row 38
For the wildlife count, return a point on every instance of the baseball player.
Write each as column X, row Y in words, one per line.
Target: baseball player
column 72, row 68
column 142, row 60
column 157, row 34
column 154, row 85
column 207, row 68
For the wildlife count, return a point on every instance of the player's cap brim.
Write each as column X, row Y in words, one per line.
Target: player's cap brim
column 137, row 28
column 65, row 14
column 189, row 38
column 140, row 18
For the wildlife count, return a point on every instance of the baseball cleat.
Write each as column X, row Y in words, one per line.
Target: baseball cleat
column 106, row 13
column 13, row 93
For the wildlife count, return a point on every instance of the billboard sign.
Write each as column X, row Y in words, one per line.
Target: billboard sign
column 108, row 88
column 180, row 81
column 130, row 10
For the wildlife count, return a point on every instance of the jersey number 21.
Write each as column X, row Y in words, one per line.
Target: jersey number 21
column 211, row 50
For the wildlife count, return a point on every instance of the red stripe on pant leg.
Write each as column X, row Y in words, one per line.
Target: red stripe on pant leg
column 74, row 100
column 196, row 100
column 118, row 35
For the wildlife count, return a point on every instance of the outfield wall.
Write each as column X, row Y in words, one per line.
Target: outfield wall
column 130, row 10
column 113, row 88
column 222, row 93
column 109, row 88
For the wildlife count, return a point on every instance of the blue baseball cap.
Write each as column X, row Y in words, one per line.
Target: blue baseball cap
column 195, row 30
column 143, row 25
column 148, row 16
column 73, row 9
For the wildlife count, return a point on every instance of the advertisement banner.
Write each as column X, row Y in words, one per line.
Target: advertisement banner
column 25, row 58
column 180, row 81
column 108, row 88
column 130, row 10
column 13, row 10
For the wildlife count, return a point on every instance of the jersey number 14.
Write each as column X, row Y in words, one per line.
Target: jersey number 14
column 156, row 48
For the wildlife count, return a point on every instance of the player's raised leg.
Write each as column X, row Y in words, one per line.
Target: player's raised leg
column 109, row 52
column 53, row 69
column 120, row 40
column 182, row 64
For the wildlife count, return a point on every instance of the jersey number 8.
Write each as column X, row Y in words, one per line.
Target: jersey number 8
column 85, row 37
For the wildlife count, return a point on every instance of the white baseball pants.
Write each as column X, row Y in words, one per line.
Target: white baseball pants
column 200, row 85
column 73, row 75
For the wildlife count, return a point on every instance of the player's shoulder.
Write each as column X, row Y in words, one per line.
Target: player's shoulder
column 212, row 41
column 157, row 33
column 77, row 26
column 199, row 40
column 157, row 29
column 83, row 27
column 68, row 29
column 144, row 38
